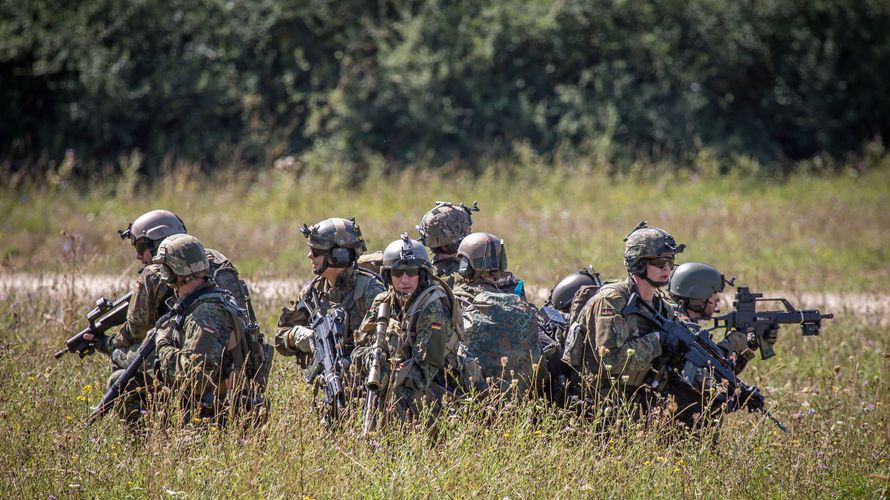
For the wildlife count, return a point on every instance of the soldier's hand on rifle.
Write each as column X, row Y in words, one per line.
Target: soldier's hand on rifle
column 771, row 335
column 669, row 343
column 299, row 338
column 164, row 338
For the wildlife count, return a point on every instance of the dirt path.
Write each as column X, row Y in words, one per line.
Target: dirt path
column 282, row 290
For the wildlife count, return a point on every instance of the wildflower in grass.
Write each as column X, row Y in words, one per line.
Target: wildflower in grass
column 631, row 352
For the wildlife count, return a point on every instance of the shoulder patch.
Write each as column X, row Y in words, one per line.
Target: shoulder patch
column 436, row 326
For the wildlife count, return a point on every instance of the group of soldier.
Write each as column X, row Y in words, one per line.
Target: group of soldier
column 423, row 322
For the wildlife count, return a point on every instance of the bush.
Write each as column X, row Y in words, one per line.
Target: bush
column 433, row 82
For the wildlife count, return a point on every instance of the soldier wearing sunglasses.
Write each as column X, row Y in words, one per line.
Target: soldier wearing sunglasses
column 420, row 339
column 334, row 247
column 614, row 354
column 148, row 301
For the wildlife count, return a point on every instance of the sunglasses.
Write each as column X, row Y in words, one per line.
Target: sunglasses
column 410, row 271
column 661, row 262
column 317, row 252
column 142, row 244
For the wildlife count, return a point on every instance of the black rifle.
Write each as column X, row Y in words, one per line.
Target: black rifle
column 756, row 324
column 104, row 316
column 701, row 355
column 330, row 355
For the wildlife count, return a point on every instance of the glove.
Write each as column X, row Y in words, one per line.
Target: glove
column 735, row 342
column 164, row 338
column 771, row 335
column 669, row 343
column 299, row 338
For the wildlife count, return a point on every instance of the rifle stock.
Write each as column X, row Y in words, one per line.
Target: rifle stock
column 378, row 376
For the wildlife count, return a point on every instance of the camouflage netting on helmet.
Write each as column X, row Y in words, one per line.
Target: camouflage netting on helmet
column 446, row 224
column 182, row 254
column 335, row 232
column 646, row 242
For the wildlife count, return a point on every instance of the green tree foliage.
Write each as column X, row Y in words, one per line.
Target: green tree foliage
column 433, row 81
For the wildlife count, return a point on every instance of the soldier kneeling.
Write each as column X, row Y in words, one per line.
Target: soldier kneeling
column 201, row 345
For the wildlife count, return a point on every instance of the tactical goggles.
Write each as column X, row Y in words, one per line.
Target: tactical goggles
column 661, row 262
column 410, row 271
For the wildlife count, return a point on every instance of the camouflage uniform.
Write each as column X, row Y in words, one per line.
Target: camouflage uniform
column 421, row 338
column 199, row 354
column 614, row 353
column 602, row 327
column 515, row 352
column 354, row 290
column 446, row 269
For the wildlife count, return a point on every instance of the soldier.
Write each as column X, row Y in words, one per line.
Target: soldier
column 442, row 229
column 695, row 288
column 149, row 298
column 501, row 329
column 554, row 318
column 420, row 335
column 334, row 247
column 201, row 347
column 613, row 352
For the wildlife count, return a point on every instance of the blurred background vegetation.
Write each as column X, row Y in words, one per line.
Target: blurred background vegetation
column 429, row 83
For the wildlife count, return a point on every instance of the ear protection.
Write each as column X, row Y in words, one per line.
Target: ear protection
column 340, row 257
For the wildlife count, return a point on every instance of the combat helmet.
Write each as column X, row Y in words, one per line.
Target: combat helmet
column 482, row 252
column 150, row 229
column 340, row 240
column 645, row 243
column 406, row 253
column 693, row 283
column 446, row 225
column 562, row 294
column 181, row 255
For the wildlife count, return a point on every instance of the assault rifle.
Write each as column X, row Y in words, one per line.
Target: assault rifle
column 378, row 376
column 117, row 388
column 104, row 316
column 756, row 324
column 700, row 355
column 330, row 355
column 553, row 323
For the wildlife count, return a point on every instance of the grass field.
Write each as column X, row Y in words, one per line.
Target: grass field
column 797, row 234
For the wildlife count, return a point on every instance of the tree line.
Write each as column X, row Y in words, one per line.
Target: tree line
column 441, row 81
